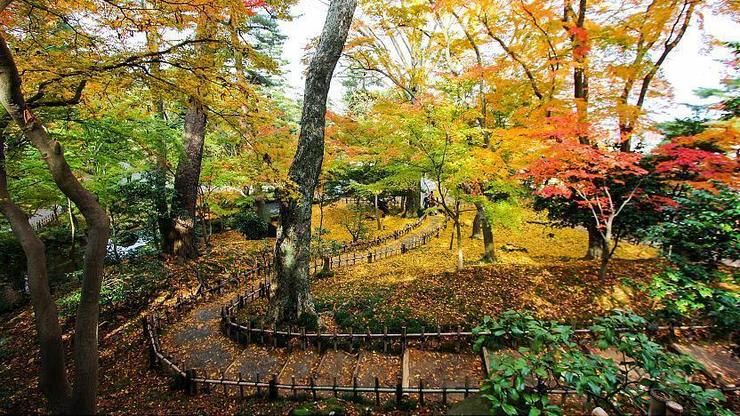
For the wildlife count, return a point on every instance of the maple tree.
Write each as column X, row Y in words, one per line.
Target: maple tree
column 602, row 182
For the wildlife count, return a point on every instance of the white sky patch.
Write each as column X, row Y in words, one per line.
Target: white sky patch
column 693, row 64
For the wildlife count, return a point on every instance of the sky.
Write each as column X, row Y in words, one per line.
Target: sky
column 690, row 66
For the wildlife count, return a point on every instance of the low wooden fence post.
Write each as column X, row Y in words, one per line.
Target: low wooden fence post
column 399, row 391
column 149, row 344
column 272, row 388
column 377, row 393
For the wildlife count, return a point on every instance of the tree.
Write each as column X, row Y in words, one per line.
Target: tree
column 602, row 182
column 84, row 390
column 292, row 301
column 654, row 32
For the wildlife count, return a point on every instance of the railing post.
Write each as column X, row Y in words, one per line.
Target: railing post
column 403, row 338
column 421, row 392
column 149, row 344
column 272, row 389
column 313, row 388
column 385, row 339
column 399, row 391
column 377, row 393
column 241, row 387
column 354, row 388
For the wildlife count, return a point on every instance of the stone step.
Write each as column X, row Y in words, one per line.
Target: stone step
column 301, row 365
column 336, row 366
column 258, row 362
column 438, row 369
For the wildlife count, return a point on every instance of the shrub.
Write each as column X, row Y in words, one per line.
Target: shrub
column 250, row 225
column 547, row 354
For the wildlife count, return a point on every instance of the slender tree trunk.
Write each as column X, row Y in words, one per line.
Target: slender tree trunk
column 377, row 213
column 164, row 221
column 181, row 238
column 114, row 236
column 292, row 301
column 489, row 249
column 86, row 325
column 411, row 202
column 476, row 233
column 595, row 243
column 458, row 235
column 606, row 254
column 53, row 378
column 73, row 231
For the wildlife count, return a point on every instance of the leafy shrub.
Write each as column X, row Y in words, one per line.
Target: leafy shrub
column 547, row 355
column 697, row 235
column 250, row 225
column 127, row 284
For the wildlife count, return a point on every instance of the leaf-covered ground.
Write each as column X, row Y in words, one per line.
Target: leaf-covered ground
column 420, row 287
column 550, row 278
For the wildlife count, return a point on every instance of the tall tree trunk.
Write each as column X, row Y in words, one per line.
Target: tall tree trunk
column 476, row 233
column 412, row 202
column 607, row 249
column 458, row 235
column 53, row 378
column 292, row 301
column 489, row 249
column 377, row 213
column 181, row 238
column 595, row 248
column 86, row 326
column 73, row 232
column 159, row 180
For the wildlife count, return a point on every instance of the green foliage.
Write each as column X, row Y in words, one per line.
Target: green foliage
column 12, row 258
column 702, row 228
column 530, row 355
column 370, row 311
column 250, row 224
column 697, row 235
column 125, row 284
column 683, row 127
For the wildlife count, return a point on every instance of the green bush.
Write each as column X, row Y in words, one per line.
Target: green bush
column 548, row 354
column 697, row 235
column 250, row 225
column 124, row 285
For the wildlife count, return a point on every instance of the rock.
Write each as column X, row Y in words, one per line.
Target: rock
column 473, row 405
column 512, row 248
column 9, row 298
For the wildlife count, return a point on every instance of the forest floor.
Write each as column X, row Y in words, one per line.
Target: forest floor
column 550, row 278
